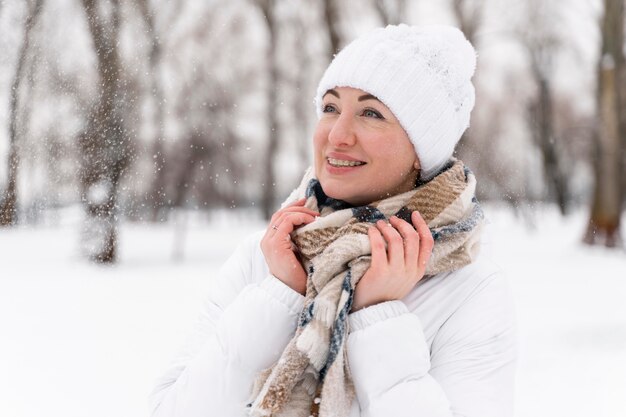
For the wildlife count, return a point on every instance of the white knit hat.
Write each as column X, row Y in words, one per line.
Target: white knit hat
column 422, row 74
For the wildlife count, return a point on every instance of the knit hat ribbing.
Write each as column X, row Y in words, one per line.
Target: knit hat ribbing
column 422, row 74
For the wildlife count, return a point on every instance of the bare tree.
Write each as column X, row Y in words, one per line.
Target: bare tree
column 331, row 17
column 301, row 106
column 541, row 118
column 297, row 79
column 202, row 165
column 8, row 206
column 104, row 145
column 157, row 193
column 391, row 12
column 469, row 16
column 606, row 207
column 268, row 7
column 203, row 162
column 541, row 42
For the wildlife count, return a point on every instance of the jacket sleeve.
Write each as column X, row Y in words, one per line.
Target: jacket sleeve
column 468, row 372
column 244, row 326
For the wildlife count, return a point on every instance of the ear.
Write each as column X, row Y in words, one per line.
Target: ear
column 416, row 163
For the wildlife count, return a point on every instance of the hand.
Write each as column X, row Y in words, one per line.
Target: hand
column 278, row 249
column 394, row 271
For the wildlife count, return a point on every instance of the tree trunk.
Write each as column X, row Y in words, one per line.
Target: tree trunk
column 468, row 17
column 469, row 20
column 332, row 26
column 157, row 192
column 391, row 12
column 302, row 109
column 269, row 183
column 8, row 206
column 606, row 207
column 104, row 145
column 544, row 136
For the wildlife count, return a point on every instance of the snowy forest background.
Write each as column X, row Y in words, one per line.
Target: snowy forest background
column 141, row 139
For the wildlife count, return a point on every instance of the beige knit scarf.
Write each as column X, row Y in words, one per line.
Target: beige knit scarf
column 312, row 374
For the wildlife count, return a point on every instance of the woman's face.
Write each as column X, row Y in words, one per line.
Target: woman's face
column 362, row 154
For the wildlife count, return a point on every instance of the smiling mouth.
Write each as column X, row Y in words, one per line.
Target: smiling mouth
column 343, row 163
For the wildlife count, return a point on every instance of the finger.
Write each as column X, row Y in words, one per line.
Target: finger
column 395, row 248
column 426, row 239
column 281, row 218
column 276, row 217
column 299, row 209
column 379, row 254
column 410, row 238
column 297, row 203
column 272, row 228
column 291, row 220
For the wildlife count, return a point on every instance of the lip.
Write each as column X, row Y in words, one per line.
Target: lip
column 342, row 156
column 341, row 170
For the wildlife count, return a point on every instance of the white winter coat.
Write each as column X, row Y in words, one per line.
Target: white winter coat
column 447, row 349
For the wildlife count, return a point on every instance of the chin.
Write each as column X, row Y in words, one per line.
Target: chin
column 335, row 190
column 331, row 191
column 351, row 198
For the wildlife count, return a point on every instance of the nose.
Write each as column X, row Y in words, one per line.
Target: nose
column 342, row 133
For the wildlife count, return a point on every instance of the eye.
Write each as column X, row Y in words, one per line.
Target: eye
column 372, row 113
column 329, row 108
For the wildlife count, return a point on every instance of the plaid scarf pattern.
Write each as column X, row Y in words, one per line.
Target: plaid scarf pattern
column 312, row 375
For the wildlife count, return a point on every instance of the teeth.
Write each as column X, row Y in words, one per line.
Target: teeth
column 342, row 163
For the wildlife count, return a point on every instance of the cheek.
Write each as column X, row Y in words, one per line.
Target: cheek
column 318, row 149
column 398, row 155
column 391, row 154
column 319, row 140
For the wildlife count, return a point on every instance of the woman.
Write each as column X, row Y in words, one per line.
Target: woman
column 365, row 296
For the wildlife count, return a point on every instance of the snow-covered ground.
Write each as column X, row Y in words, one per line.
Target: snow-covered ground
column 79, row 340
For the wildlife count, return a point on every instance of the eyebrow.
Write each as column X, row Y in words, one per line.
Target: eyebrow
column 361, row 98
column 368, row 97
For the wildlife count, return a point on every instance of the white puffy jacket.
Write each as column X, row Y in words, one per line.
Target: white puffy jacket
column 447, row 349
